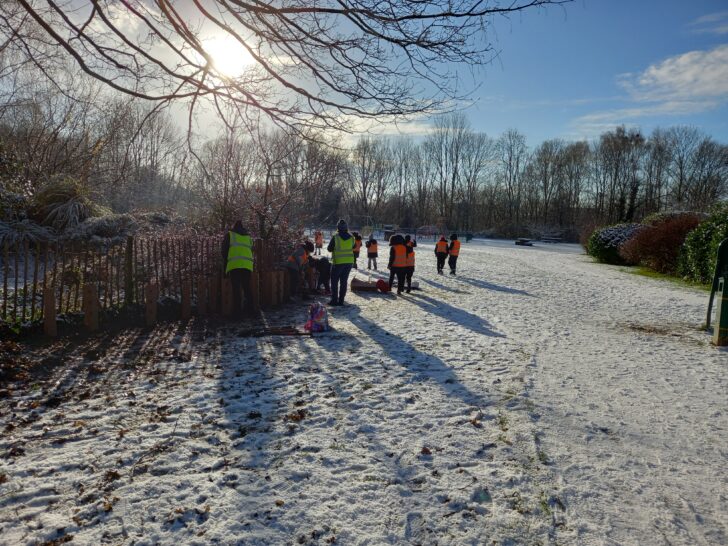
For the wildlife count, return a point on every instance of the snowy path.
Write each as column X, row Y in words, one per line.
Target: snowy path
column 535, row 398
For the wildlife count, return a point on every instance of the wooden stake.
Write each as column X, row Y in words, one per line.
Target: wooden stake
column 227, row 297
column 6, row 272
column 50, row 327
column 186, row 300
column 129, row 271
column 25, row 277
column 202, row 295
column 151, row 295
column 35, row 282
column 91, row 306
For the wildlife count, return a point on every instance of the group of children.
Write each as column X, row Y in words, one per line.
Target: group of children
column 330, row 274
column 401, row 263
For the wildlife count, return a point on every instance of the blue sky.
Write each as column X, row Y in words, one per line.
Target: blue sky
column 574, row 72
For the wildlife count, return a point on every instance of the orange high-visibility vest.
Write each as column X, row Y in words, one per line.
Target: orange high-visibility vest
column 411, row 258
column 441, row 246
column 455, row 250
column 319, row 239
column 357, row 245
column 372, row 248
column 400, row 256
column 304, row 258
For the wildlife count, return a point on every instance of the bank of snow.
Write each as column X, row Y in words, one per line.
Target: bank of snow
column 535, row 398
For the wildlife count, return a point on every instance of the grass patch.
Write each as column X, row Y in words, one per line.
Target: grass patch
column 647, row 272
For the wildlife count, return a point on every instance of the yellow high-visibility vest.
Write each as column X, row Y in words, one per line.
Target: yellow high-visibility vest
column 343, row 250
column 240, row 253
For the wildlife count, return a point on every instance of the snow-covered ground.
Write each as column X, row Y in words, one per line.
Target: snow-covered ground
column 536, row 398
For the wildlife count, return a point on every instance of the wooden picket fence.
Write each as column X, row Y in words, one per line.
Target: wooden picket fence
column 44, row 281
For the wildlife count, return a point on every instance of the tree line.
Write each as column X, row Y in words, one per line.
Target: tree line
column 132, row 156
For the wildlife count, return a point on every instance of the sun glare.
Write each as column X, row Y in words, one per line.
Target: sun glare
column 229, row 57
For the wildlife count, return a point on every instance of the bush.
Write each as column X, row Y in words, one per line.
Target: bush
column 658, row 245
column 604, row 243
column 697, row 260
column 13, row 206
column 65, row 203
column 22, row 231
column 109, row 230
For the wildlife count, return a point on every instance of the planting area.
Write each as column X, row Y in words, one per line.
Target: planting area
column 535, row 398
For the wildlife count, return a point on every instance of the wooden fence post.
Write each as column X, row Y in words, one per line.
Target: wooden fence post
column 226, row 297
column 255, row 290
column 129, row 272
column 186, row 299
column 213, row 293
column 91, row 307
column 151, row 295
column 50, row 327
column 201, row 296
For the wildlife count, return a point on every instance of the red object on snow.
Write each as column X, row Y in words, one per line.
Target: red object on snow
column 383, row 286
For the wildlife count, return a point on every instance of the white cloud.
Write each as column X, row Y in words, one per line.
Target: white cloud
column 713, row 23
column 690, row 83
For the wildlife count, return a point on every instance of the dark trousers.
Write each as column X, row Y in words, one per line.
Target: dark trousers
column 323, row 279
column 441, row 260
column 408, row 276
column 401, row 273
column 452, row 262
column 339, row 278
column 294, row 279
column 356, row 257
column 240, row 280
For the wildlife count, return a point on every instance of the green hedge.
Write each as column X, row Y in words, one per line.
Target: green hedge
column 604, row 243
column 697, row 260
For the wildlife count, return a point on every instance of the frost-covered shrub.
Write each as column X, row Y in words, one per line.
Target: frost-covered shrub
column 109, row 230
column 13, row 206
column 22, row 231
column 604, row 243
column 65, row 203
column 658, row 245
column 697, row 260
column 156, row 218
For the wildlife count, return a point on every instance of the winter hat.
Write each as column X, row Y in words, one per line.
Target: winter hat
column 309, row 246
column 454, row 237
column 342, row 226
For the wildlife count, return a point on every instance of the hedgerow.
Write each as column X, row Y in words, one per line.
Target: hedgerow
column 605, row 243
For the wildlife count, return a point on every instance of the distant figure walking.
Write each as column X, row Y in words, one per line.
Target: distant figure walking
column 357, row 248
column 454, row 251
column 441, row 249
column 318, row 238
column 372, row 252
column 237, row 254
column 341, row 247
column 410, row 269
column 397, row 261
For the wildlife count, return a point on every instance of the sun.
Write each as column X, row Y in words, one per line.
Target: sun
column 228, row 56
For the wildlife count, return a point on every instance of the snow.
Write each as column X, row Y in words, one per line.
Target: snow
column 537, row 397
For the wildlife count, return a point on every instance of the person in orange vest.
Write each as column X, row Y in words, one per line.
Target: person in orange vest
column 319, row 241
column 372, row 252
column 441, row 249
column 297, row 264
column 410, row 270
column 397, row 261
column 454, row 251
column 357, row 248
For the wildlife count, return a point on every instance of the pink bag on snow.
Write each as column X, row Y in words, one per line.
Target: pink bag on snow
column 318, row 318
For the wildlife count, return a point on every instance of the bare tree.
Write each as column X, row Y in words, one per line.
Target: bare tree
column 312, row 64
column 370, row 175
